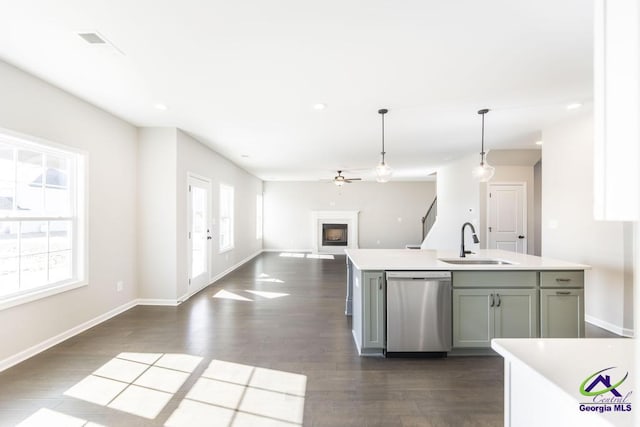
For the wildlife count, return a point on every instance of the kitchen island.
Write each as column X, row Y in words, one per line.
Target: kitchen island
column 496, row 294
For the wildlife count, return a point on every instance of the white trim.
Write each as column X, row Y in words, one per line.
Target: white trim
column 618, row 330
column 48, row 343
column 336, row 217
column 288, row 250
column 43, row 292
column 525, row 220
column 158, row 301
column 217, row 277
column 208, row 184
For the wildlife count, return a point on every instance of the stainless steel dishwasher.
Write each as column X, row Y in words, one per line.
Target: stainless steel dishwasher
column 418, row 312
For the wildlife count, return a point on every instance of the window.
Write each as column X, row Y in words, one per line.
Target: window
column 41, row 219
column 259, row 216
column 226, row 217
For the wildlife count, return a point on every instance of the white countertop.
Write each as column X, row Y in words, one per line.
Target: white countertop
column 423, row 259
column 568, row 363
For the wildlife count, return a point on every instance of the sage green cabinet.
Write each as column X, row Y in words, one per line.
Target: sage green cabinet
column 562, row 313
column 368, row 311
column 374, row 311
column 482, row 314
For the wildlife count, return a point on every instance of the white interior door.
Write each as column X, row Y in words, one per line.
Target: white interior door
column 507, row 223
column 199, row 196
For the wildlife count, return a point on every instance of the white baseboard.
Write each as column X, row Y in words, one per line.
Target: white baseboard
column 308, row 250
column 618, row 330
column 157, row 301
column 219, row 276
column 48, row 343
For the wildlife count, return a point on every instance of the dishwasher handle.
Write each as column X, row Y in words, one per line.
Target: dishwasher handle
column 419, row 275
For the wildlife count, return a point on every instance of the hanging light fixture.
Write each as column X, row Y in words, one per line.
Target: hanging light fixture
column 484, row 172
column 383, row 171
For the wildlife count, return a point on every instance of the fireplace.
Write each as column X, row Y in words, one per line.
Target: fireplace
column 334, row 234
column 334, row 231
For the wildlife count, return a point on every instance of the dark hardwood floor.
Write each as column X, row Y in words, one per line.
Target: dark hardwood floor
column 267, row 345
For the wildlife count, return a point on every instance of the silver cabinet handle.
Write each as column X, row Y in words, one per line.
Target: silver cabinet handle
column 498, row 304
column 560, row 279
column 380, row 283
column 492, row 303
column 563, row 292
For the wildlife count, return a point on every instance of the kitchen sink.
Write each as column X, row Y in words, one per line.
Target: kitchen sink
column 476, row 261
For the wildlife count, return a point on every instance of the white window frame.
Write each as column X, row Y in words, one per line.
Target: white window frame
column 77, row 216
column 259, row 216
column 226, row 214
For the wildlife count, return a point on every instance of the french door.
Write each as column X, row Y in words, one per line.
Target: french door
column 199, row 235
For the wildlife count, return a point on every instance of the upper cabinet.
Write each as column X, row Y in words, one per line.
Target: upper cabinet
column 617, row 109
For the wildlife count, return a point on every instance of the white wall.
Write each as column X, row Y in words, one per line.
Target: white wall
column 389, row 216
column 458, row 202
column 30, row 106
column 157, row 151
column 196, row 158
column 569, row 231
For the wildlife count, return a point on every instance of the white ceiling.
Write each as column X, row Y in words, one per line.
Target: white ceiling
column 242, row 75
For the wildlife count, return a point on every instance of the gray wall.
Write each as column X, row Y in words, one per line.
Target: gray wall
column 569, row 231
column 196, row 158
column 389, row 213
column 31, row 106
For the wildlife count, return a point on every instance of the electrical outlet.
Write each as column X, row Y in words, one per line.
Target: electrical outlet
column 119, row 286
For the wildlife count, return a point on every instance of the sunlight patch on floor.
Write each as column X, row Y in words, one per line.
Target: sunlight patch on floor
column 265, row 294
column 226, row 394
column 50, row 418
column 137, row 383
column 320, row 256
column 233, row 394
column 222, row 294
column 303, row 255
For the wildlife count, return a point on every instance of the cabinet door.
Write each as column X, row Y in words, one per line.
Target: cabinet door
column 561, row 313
column 472, row 318
column 516, row 313
column 373, row 306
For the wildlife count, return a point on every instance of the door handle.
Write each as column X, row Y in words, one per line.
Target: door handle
column 492, row 303
column 498, row 303
column 521, row 237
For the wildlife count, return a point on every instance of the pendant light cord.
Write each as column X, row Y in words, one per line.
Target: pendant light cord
column 383, row 152
column 482, row 153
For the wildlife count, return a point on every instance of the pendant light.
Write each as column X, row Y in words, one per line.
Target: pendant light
column 383, row 171
column 484, row 172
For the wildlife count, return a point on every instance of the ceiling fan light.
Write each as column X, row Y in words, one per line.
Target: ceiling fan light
column 338, row 182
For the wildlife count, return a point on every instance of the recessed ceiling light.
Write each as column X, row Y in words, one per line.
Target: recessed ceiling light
column 161, row 107
column 244, row 156
column 574, row 106
column 319, row 106
column 538, row 142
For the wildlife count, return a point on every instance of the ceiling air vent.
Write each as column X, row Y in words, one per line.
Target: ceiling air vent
column 92, row 38
column 95, row 39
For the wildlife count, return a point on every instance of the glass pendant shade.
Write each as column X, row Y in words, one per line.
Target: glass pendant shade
column 383, row 172
column 483, row 172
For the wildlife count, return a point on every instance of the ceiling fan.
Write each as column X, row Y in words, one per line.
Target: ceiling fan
column 339, row 179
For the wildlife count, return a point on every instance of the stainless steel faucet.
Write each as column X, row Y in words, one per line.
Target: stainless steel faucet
column 464, row 253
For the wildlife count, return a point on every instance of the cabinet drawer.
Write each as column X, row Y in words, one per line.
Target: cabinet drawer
column 562, row 279
column 494, row 279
